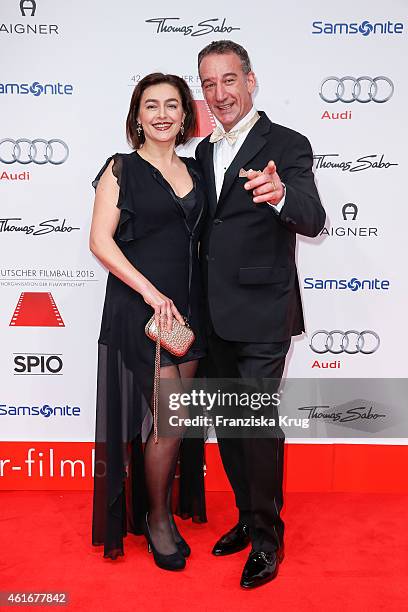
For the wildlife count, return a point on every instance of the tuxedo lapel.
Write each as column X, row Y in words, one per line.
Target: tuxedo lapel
column 208, row 168
column 251, row 146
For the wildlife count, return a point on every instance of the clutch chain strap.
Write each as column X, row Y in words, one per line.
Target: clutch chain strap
column 156, row 386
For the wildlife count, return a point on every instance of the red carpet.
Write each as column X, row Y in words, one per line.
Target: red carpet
column 344, row 551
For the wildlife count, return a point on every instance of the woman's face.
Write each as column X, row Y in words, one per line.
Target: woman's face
column 161, row 112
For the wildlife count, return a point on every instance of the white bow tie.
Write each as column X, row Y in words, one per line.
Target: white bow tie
column 232, row 136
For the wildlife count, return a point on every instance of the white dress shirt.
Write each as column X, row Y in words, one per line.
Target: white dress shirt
column 224, row 153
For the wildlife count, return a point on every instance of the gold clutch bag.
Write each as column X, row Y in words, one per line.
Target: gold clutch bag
column 177, row 342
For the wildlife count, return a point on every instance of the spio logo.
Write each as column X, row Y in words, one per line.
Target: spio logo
column 37, row 151
column 28, row 7
column 363, row 89
column 365, row 28
column 36, row 309
column 36, row 89
column 37, row 364
column 354, row 284
column 349, row 211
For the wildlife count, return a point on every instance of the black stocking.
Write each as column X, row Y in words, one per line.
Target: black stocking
column 187, row 372
column 160, row 466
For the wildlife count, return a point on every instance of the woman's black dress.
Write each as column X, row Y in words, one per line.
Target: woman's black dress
column 158, row 232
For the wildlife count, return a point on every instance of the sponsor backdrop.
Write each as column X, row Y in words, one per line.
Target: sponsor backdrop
column 333, row 73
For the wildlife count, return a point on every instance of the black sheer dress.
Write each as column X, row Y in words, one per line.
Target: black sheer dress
column 158, row 232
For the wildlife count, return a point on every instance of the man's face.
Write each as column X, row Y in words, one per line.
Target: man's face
column 226, row 88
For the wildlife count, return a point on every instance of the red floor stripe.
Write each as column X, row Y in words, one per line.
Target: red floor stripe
column 363, row 468
column 36, row 309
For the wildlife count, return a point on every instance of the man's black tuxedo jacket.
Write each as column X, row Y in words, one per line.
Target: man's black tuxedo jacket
column 248, row 250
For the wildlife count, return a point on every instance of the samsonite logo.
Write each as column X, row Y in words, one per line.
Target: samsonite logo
column 45, row 410
column 37, row 89
column 365, row 28
column 343, row 284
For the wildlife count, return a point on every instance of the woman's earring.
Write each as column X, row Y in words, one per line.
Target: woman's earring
column 139, row 129
column 182, row 129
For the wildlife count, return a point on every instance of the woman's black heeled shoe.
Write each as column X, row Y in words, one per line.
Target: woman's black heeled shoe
column 181, row 544
column 173, row 562
column 183, row 548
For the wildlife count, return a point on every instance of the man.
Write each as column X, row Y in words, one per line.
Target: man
column 261, row 192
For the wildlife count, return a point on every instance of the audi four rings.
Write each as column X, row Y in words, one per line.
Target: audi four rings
column 350, row 342
column 337, row 93
column 37, row 151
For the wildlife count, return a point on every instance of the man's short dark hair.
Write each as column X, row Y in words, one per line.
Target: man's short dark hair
column 226, row 46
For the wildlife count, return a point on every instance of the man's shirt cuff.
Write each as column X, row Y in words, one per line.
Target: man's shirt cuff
column 278, row 207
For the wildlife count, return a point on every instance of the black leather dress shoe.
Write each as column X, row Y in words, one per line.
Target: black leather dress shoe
column 233, row 541
column 260, row 568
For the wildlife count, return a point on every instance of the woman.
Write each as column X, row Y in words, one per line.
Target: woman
column 148, row 213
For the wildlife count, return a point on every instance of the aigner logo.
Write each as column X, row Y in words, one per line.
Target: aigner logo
column 167, row 25
column 349, row 213
column 349, row 210
column 365, row 28
column 36, row 309
column 37, row 364
column 28, row 9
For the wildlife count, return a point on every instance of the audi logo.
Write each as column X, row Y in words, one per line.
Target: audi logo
column 363, row 89
column 37, row 151
column 338, row 341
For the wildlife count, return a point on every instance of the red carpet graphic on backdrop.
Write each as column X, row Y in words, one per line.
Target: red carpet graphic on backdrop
column 205, row 119
column 36, row 309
